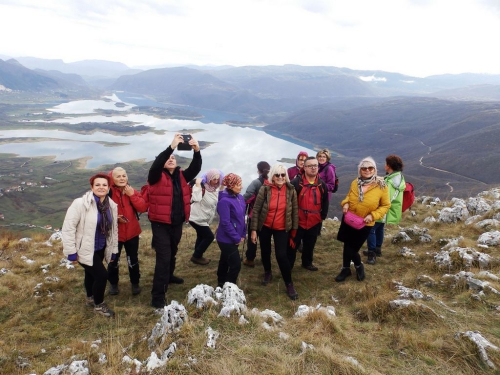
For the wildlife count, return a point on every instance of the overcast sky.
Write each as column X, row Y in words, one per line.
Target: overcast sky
column 415, row 37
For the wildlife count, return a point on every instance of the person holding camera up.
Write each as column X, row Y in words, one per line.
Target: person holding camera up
column 169, row 199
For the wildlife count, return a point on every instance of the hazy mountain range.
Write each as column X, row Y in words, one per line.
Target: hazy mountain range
column 445, row 126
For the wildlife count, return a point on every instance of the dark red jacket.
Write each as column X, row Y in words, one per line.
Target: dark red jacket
column 128, row 206
column 160, row 199
column 312, row 200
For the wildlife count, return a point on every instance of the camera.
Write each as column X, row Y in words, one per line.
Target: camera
column 185, row 146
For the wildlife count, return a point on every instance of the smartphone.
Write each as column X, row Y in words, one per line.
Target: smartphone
column 185, row 146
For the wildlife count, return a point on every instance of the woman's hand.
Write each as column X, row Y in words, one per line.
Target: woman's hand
column 129, row 190
column 345, row 208
column 368, row 218
column 177, row 139
column 194, row 143
column 254, row 236
column 241, row 241
column 198, row 182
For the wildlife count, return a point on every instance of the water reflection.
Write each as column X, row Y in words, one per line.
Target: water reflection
column 234, row 149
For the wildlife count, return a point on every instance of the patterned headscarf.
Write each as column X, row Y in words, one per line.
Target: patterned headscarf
column 212, row 174
column 231, row 180
column 368, row 162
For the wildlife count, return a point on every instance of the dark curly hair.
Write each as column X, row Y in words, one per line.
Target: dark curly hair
column 394, row 162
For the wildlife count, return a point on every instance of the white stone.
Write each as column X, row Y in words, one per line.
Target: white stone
column 133, row 362
column 233, row 300
column 212, row 337
column 172, row 319
column 406, row 252
column 481, row 343
column 405, row 292
column 488, row 223
column 202, row 296
column 472, row 219
column 401, row 237
column 283, row 336
column 489, row 275
column 429, row 219
column 25, row 239
column 489, row 238
column 242, row 320
column 478, row 206
column 306, row 347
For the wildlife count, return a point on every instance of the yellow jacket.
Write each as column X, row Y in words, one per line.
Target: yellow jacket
column 375, row 201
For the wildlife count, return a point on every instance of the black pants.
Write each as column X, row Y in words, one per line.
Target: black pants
column 132, row 251
column 280, row 248
column 229, row 263
column 251, row 252
column 96, row 277
column 204, row 237
column 353, row 239
column 308, row 237
column 166, row 238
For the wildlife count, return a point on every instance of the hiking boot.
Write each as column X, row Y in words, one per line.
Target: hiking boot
column 268, row 276
column 201, row 261
column 158, row 303
column 104, row 310
column 175, row 280
column 292, row 293
column 113, row 289
column 360, row 272
column 378, row 251
column 345, row 272
column 136, row 289
column 310, row 267
column 372, row 258
column 249, row 263
column 89, row 301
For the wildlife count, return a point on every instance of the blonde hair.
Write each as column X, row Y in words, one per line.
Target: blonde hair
column 117, row 170
column 278, row 168
column 326, row 152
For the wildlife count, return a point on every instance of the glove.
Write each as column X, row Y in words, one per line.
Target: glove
column 291, row 238
column 73, row 257
column 113, row 256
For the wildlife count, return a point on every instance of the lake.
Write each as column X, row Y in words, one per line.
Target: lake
column 234, row 149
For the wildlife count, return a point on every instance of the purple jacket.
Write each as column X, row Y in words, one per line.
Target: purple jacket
column 231, row 210
column 327, row 173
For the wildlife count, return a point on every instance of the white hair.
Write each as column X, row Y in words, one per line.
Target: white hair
column 278, row 168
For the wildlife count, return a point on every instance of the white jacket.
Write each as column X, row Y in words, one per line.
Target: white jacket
column 78, row 230
column 203, row 206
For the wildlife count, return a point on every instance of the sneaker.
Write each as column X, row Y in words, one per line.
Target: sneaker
column 201, row 261
column 292, row 293
column 113, row 289
column 310, row 267
column 360, row 272
column 268, row 276
column 372, row 258
column 89, row 301
column 103, row 309
column 249, row 263
column 175, row 280
column 344, row 273
column 136, row 289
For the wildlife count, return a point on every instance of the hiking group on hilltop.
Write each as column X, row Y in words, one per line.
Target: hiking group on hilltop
column 284, row 207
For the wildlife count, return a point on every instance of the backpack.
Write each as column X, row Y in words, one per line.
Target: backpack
column 408, row 196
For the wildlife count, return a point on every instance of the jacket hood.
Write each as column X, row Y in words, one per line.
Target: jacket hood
column 301, row 153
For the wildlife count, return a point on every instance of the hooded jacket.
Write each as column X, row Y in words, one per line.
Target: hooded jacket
column 312, row 200
column 79, row 227
column 203, row 206
column 263, row 201
column 127, row 206
column 397, row 184
column 231, row 210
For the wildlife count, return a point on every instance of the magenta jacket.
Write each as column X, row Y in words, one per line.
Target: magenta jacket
column 327, row 173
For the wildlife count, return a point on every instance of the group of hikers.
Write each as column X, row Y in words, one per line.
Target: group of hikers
column 287, row 206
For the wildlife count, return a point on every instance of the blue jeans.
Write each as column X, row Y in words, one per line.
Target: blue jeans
column 376, row 237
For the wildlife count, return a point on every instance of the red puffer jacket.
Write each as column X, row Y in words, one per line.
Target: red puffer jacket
column 127, row 206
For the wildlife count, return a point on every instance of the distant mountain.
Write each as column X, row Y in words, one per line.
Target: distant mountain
column 458, row 137
column 476, row 92
column 16, row 77
column 68, row 79
column 85, row 68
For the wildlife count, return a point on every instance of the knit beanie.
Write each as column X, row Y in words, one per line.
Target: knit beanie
column 231, row 180
column 367, row 162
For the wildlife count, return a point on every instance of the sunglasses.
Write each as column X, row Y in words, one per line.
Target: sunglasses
column 278, row 175
column 367, row 168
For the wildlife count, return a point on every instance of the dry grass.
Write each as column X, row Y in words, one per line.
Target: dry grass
column 51, row 325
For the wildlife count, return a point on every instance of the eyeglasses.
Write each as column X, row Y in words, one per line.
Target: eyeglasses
column 311, row 166
column 278, row 175
column 367, row 169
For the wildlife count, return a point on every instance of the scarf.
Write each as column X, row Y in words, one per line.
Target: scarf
column 212, row 174
column 373, row 179
column 103, row 209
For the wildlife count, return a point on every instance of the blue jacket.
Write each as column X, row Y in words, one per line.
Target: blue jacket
column 231, row 210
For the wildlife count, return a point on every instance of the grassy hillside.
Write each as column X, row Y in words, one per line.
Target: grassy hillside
column 49, row 325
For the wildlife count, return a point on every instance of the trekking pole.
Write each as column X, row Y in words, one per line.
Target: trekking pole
column 246, row 230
